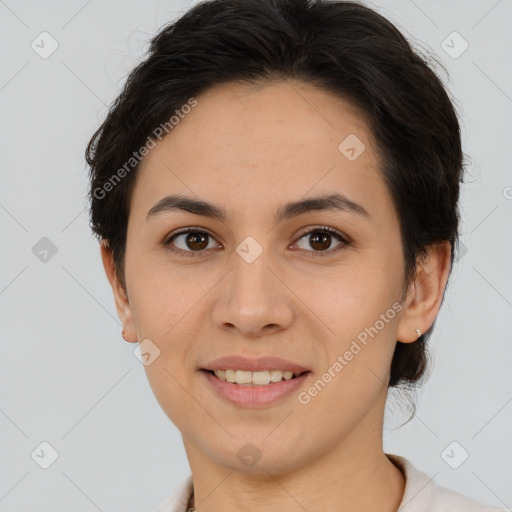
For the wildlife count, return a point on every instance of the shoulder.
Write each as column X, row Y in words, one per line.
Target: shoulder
column 423, row 494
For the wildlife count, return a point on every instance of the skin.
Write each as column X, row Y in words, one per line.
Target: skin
column 250, row 150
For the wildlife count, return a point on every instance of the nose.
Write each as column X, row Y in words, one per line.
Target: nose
column 253, row 299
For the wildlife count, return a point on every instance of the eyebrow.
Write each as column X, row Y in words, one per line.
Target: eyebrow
column 289, row 210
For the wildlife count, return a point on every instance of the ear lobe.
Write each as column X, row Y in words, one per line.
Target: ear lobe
column 121, row 298
column 425, row 293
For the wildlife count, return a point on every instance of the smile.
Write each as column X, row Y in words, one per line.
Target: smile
column 254, row 389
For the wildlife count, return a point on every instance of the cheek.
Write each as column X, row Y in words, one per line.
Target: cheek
column 358, row 363
column 158, row 297
column 165, row 382
column 353, row 298
column 362, row 309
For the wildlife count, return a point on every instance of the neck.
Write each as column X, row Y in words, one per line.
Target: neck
column 352, row 476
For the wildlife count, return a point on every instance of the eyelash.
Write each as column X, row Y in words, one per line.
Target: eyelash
column 336, row 234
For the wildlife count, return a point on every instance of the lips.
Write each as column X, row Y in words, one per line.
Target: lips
column 256, row 379
column 254, row 396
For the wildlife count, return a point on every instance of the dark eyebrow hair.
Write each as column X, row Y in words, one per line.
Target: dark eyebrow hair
column 289, row 210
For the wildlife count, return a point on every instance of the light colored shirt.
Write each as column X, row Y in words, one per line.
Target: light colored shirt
column 421, row 494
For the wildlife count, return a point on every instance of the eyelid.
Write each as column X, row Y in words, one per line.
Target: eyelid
column 183, row 231
column 333, row 231
column 342, row 238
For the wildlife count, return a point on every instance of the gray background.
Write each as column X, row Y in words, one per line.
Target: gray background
column 70, row 380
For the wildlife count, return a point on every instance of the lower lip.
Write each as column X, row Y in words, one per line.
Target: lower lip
column 255, row 396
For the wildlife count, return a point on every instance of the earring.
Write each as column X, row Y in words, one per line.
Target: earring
column 418, row 332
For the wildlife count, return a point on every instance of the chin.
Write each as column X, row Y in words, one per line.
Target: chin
column 260, row 456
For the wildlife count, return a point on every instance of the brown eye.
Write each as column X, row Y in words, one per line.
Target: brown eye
column 320, row 239
column 189, row 241
column 196, row 241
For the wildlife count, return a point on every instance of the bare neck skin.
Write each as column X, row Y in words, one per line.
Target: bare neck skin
column 353, row 476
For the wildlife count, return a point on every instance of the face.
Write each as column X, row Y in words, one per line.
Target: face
column 308, row 286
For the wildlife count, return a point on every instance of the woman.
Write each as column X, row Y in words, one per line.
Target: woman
column 276, row 194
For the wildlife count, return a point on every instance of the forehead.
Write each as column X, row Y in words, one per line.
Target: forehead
column 244, row 144
column 281, row 112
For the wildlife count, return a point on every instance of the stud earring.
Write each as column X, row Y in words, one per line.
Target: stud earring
column 418, row 332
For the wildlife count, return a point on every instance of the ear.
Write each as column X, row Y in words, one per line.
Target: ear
column 121, row 298
column 425, row 293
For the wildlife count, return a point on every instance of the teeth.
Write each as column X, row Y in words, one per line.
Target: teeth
column 260, row 378
column 243, row 377
column 276, row 375
column 257, row 378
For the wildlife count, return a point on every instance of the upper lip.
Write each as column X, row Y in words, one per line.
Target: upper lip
column 254, row 364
